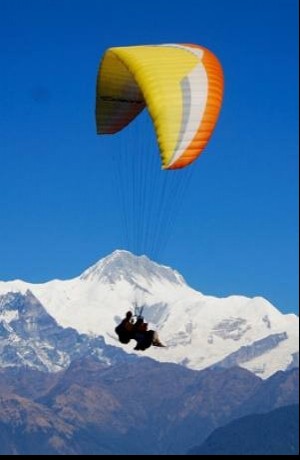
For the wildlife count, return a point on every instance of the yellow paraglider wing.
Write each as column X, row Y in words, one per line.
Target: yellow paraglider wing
column 181, row 85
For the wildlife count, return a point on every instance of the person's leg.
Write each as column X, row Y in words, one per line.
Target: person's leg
column 144, row 340
column 149, row 338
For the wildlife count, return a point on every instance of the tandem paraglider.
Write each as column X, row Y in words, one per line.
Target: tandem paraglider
column 181, row 88
column 137, row 330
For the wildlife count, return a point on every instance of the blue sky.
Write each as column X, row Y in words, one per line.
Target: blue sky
column 237, row 232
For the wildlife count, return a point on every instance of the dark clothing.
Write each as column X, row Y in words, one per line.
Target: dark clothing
column 125, row 330
column 144, row 339
column 138, row 331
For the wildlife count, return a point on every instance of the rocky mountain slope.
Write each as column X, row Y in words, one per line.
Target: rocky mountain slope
column 274, row 433
column 142, row 407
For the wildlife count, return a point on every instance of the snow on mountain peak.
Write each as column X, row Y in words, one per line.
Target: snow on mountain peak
column 123, row 265
column 30, row 337
column 199, row 330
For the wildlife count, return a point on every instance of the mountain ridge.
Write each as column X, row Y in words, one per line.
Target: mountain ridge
column 142, row 407
column 30, row 337
column 199, row 330
column 271, row 433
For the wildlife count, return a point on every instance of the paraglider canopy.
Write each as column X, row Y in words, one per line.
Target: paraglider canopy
column 181, row 85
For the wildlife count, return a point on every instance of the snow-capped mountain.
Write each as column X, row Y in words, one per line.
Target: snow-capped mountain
column 30, row 337
column 199, row 330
